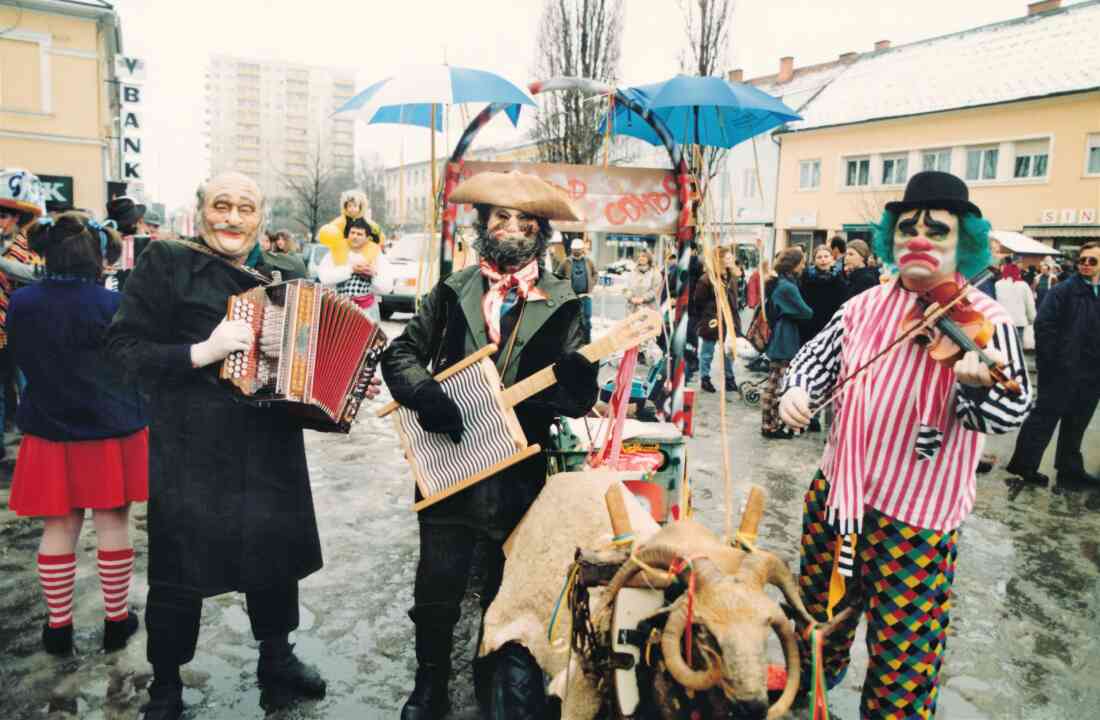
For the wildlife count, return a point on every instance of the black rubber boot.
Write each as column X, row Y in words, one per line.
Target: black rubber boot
column 115, row 634
column 430, row 699
column 165, row 700
column 731, row 385
column 57, row 641
column 707, row 385
column 283, row 677
column 519, row 690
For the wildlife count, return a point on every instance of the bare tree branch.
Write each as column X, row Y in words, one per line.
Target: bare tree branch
column 315, row 195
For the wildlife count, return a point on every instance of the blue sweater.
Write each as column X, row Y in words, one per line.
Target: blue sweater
column 75, row 391
column 788, row 308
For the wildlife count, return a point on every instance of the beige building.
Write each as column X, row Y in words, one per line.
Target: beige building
column 58, row 101
column 1013, row 108
column 274, row 120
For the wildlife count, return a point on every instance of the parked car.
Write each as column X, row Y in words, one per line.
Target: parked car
column 395, row 283
column 313, row 254
column 620, row 267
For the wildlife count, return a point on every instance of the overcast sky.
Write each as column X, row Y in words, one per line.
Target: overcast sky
column 377, row 37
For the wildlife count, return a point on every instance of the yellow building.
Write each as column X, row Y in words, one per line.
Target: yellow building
column 57, row 101
column 1013, row 108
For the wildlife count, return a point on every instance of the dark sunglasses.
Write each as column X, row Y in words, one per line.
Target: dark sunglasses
column 1090, row 261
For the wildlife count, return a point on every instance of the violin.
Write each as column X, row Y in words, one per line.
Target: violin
column 947, row 325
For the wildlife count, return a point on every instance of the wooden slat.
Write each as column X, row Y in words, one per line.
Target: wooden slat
column 474, row 479
column 453, row 369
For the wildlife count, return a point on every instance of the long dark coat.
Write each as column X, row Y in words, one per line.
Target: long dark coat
column 1067, row 340
column 450, row 326
column 825, row 292
column 230, row 506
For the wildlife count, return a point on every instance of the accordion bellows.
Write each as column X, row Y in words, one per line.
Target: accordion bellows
column 328, row 350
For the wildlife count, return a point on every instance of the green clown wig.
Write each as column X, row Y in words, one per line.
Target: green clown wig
column 972, row 254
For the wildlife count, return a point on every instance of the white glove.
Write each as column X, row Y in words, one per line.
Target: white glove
column 228, row 337
column 794, row 408
column 970, row 370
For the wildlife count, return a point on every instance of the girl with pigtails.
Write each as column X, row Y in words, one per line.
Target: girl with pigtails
column 85, row 442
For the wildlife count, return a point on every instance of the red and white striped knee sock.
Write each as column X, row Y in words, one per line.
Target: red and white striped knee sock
column 115, row 569
column 57, row 575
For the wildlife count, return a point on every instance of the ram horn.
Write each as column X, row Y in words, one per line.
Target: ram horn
column 780, row 576
column 658, row 556
column 698, row 680
column 783, row 629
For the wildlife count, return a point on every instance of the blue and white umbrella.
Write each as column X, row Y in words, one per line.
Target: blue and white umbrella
column 408, row 97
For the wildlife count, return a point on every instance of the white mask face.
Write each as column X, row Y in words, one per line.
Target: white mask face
column 232, row 214
column 925, row 244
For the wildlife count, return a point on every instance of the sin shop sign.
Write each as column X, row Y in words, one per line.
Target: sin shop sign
column 637, row 201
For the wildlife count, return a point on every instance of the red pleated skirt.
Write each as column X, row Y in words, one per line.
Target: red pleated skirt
column 55, row 478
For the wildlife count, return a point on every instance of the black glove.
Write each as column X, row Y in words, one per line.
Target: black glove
column 437, row 413
column 576, row 375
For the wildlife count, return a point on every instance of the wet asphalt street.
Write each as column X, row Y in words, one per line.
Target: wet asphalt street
column 1024, row 639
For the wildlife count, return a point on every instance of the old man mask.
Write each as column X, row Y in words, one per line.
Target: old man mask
column 231, row 213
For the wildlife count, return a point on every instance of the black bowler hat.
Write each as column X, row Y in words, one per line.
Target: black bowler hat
column 124, row 211
column 934, row 190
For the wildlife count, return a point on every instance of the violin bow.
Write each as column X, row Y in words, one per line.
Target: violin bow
column 932, row 315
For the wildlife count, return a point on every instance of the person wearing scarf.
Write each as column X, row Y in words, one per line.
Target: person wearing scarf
column 535, row 319
column 897, row 479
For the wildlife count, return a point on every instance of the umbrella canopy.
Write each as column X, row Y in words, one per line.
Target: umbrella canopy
column 702, row 111
column 408, row 97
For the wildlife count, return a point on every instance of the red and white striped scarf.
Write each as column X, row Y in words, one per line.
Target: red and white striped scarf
column 523, row 280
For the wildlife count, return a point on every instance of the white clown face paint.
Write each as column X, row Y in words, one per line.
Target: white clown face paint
column 925, row 243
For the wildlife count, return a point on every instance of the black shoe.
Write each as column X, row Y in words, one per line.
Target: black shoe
column 1075, row 481
column 814, row 426
column 707, row 385
column 1031, row 477
column 116, row 633
column 777, row 434
column 429, row 699
column 58, row 641
column 165, row 702
column 731, row 385
column 284, row 678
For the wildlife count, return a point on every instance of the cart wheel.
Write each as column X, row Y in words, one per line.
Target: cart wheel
column 752, row 396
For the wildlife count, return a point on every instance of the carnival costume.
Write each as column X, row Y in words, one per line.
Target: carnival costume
column 534, row 318
column 230, row 507
column 341, row 276
column 334, row 234
column 85, row 443
column 898, row 474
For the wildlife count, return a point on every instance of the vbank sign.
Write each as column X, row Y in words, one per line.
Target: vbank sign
column 131, row 78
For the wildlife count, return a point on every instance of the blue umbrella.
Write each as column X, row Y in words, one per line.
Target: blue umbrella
column 409, row 97
column 706, row 111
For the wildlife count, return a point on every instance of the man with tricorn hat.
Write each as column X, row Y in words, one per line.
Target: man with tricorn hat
column 230, row 506
column 897, row 477
column 535, row 320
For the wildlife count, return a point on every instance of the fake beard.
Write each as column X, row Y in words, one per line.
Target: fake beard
column 509, row 252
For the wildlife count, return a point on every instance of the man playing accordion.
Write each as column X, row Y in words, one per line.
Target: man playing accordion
column 534, row 319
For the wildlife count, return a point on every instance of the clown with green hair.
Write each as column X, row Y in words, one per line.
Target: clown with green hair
column 897, row 478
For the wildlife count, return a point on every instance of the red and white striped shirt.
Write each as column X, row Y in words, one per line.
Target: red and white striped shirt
column 907, row 437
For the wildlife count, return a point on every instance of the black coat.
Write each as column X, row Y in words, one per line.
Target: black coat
column 861, row 279
column 450, row 326
column 230, row 506
column 706, row 306
column 1067, row 337
column 825, row 292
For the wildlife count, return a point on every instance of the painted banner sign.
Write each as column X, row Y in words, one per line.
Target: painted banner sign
column 629, row 200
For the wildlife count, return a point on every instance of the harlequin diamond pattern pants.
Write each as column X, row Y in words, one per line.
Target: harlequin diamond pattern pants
column 904, row 575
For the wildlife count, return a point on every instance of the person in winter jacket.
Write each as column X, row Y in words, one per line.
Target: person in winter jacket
column 1067, row 356
column 824, row 289
column 786, row 309
column 580, row 271
column 643, row 291
column 706, row 303
column 1015, row 296
column 857, row 270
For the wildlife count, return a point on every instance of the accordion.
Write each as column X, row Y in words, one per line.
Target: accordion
column 328, row 350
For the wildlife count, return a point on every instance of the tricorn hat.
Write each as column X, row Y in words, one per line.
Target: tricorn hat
column 933, row 190
column 124, row 211
column 519, row 191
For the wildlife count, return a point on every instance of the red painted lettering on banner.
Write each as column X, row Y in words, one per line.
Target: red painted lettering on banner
column 631, row 207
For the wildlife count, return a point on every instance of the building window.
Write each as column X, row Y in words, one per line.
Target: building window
column 936, row 160
column 809, row 174
column 981, row 163
column 895, row 170
column 858, row 172
column 1031, row 158
column 1094, row 154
